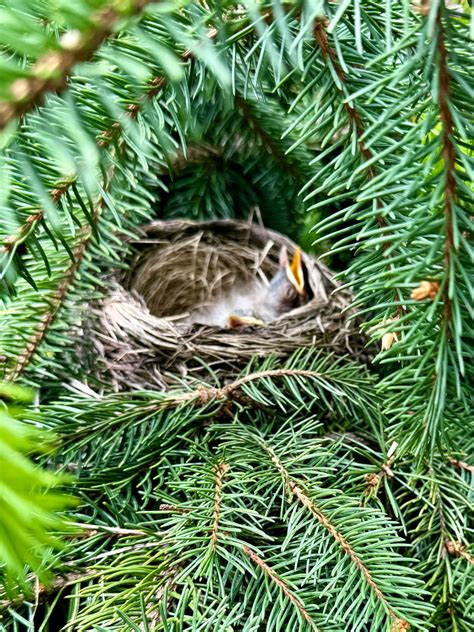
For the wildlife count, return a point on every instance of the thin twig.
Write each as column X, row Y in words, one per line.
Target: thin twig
column 449, row 159
column 156, row 85
column 329, row 53
column 56, row 299
column 220, row 470
column 271, row 574
column 24, row 230
column 94, row 529
column 140, row 546
column 13, row 241
column 196, row 153
column 205, row 394
column 202, row 396
column 173, row 508
column 462, row 465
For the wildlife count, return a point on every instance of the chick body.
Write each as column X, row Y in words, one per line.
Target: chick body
column 248, row 301
column 255, row 303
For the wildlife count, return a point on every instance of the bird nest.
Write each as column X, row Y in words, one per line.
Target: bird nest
column 142, row 329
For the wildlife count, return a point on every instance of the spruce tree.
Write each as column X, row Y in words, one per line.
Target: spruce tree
column 307, row 493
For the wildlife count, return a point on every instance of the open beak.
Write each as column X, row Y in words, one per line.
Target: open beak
column 235, row 322
column 295, row 272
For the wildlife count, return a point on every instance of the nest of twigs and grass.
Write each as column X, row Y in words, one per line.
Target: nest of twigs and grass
column 142, row 329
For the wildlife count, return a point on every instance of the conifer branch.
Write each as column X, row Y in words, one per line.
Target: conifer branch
column 156, row 85
column 399, row 146
column 51, row 71
column 229, row 389
column 55, row 303
column 326, row 376
column 293, row 488
column 84, row 234
column 220, row 470
column 205, row 394
column 271, row 574
column 328, row 52
column 84, row 237
column 59, row 295
column 449, row 159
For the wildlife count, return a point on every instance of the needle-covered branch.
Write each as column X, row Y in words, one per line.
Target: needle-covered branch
column 51, row 71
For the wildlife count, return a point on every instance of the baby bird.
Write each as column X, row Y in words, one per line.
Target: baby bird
column 256, row 304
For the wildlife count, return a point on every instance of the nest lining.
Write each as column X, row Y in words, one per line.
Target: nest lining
column 142, row 329
column 210, row 270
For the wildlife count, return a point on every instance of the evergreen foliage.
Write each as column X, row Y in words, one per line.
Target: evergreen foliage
column 29, row 506
column 311, row 493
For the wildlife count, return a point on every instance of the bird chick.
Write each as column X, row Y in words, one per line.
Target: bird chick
column 287, row 288
column 255, row 304
column 285, row 292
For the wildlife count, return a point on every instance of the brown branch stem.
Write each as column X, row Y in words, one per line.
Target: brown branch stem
column 462, row 465
column 55, row 302
column 220, row 470
column 201, row 396
column 94, row 529
column 204, row 394
column 329, row 53
column 173, row 508
column 156, row 85
column 449, row 159
column 13, row 241
column 283, row 586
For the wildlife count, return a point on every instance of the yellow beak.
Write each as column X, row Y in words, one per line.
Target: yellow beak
column 295, row 272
